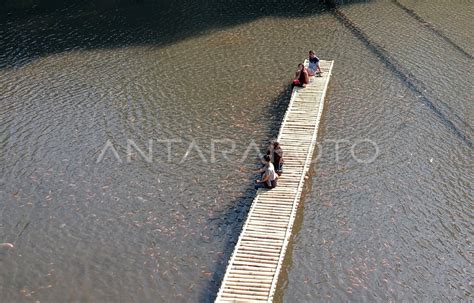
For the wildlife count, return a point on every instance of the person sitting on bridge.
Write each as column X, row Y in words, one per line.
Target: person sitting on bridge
column 269, row 177
column 277, row 158
column 275, row 152
column 301, row 76
column 313, row 64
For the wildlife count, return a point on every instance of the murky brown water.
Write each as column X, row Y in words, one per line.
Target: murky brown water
column 73, row 77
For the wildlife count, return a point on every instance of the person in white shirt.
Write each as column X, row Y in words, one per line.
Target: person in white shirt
column 269, row 177
column 313, row 64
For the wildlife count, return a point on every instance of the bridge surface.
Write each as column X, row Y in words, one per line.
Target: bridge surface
column 253, row 270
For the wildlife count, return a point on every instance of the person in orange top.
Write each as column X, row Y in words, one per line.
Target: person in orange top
column 301, row 76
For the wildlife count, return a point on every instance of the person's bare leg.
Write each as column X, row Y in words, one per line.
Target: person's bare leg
column 319, row 72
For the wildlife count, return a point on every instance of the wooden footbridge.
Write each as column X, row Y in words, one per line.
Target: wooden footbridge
column 252, row 272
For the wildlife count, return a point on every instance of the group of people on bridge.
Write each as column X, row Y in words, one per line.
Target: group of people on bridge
column 273, row 161
column 272, row 166
column 302, row 73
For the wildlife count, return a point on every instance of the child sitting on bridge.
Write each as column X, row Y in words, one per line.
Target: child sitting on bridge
column 275, row 152
column 269, row 177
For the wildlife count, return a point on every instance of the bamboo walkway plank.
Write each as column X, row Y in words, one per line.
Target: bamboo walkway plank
column 253, row 270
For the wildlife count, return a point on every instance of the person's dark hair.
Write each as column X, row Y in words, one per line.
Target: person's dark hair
column 300, row 65
column 276, row 144
column 266, row 158
column 311, row 51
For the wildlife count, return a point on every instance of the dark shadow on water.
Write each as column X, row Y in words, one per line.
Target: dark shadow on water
column 234, row 219
column 30, row 29
column 432, row 28
column 443, row 112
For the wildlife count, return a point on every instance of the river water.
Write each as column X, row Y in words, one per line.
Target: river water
column 386, row 216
